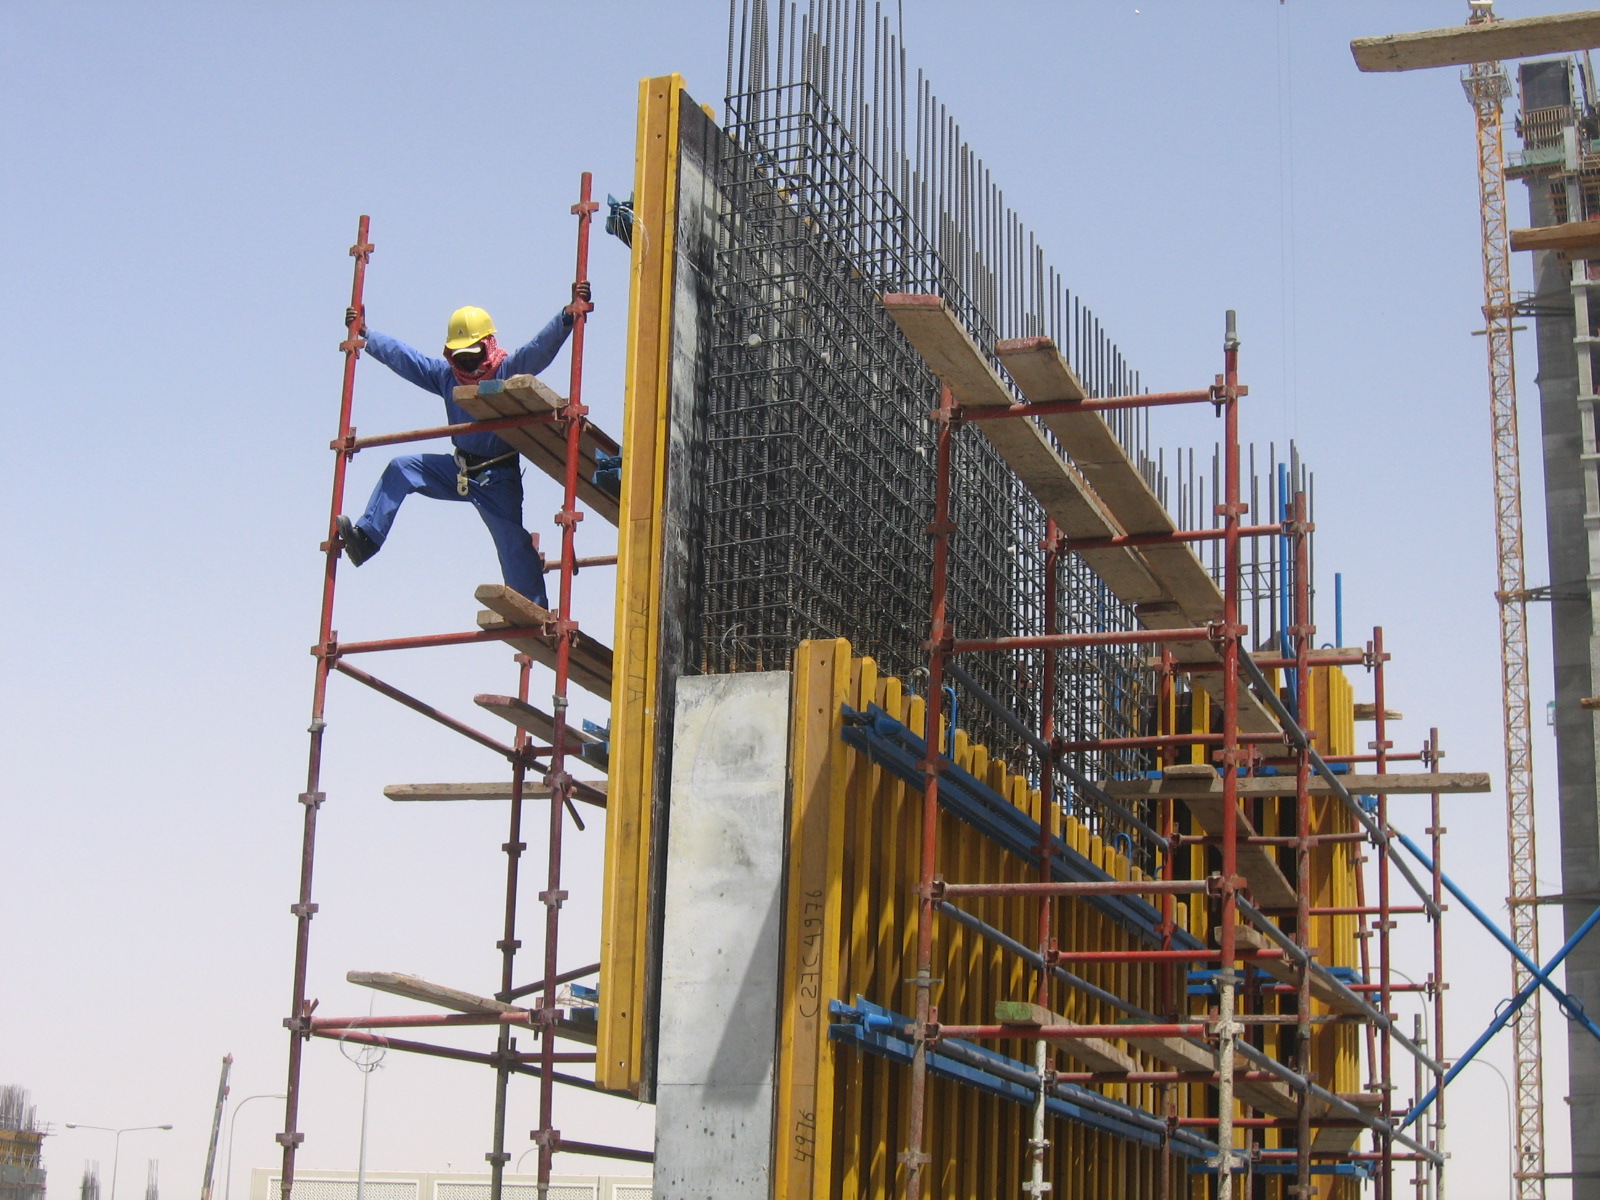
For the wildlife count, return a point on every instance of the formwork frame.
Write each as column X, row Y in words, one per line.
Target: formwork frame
column 522, row 755
column 1236, row 753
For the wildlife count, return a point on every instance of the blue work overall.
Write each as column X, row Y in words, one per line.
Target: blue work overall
column 495, row 491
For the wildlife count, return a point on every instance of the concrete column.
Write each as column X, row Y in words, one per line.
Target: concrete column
column 720, row 943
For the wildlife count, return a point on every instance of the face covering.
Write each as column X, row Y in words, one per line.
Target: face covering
column 481, row 366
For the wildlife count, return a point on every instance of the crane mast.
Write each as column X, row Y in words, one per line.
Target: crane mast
column 1487, row 87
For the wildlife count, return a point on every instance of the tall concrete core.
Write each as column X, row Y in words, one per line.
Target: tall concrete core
column 1558, row 163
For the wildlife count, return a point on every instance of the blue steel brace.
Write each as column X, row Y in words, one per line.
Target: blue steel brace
column 1540, row 979
column 1570, row 1008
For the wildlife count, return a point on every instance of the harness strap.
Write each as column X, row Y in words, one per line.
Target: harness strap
column 464, row 472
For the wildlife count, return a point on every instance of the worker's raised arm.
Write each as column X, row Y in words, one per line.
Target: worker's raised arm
column 411, row 365
column 538, row 353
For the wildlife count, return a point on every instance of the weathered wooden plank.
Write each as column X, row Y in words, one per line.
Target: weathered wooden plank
column 1458, row 45
column 589, row 664
column 1181, row 1054
column 1576, row 239
column 1060, row 490
column 1410, row 783
column 512, row 605
column 589, row 791
column 1268, row 884
column 1343, row 1138
column 528, row 717
column 1096, row 1054
column 543, row 445
column 1369, row 712
column 413, row 988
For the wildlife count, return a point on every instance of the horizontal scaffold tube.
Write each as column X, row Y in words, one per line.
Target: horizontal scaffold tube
column 1049, row 641
column 423, row 1020
column 522, row 1064
column 1192, row 1029
column 1168, row 539
column 1301, row 957
column 439, row 431
column 1051, row 408
column 1100, row 887
column 1079, row 780
column 1033, row 958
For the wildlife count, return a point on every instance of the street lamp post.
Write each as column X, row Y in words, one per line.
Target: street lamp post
column 227, row 1188
column 116, row 1145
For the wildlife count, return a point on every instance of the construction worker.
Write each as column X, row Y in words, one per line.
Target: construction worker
column 484, row 469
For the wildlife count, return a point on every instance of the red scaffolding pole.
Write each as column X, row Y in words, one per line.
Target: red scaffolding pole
column 1236, row 753
column 521, row 754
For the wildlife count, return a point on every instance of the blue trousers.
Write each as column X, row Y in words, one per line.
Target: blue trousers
column 497, row 495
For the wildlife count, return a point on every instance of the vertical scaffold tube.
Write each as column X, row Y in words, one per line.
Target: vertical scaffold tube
column 298, row 1022
column 508, row 944
column 915, row 1157
column 1381, row 745
column 1231, row 759
column 1301, row 631
column 1436, row 834
column 1039, row 1145
column 547, row 1136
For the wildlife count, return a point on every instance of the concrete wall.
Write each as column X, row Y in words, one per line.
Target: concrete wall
column 720, row 946
column 1572, row 625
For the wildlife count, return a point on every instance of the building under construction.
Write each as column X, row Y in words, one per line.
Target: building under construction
column 983, row 802
column 22, row 1175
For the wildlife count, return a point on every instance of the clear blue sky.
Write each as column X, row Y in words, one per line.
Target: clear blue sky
column 182, row 182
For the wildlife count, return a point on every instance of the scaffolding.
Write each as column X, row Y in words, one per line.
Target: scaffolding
column 556, row 434
column 1246, row 766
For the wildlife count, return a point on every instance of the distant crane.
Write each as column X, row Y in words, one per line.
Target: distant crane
column 216, row 1127
column 1487, row 87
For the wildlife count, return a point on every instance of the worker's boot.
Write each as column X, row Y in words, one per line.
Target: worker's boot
column 357, row 544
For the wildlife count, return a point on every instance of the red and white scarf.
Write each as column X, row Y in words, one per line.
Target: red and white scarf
column 493, row 356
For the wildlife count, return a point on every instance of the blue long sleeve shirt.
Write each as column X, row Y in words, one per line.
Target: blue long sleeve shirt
column 436, row 375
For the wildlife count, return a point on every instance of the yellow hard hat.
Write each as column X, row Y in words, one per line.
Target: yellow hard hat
column 467, row 327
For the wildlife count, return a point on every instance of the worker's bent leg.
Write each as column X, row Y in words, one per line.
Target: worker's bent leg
column 434, row 475
column 497, row 495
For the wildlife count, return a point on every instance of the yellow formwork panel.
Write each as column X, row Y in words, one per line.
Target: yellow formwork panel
column 624, row 921
column 850, row 929
column 855, row 833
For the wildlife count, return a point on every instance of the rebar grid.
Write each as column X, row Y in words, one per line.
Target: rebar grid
column 844, row 177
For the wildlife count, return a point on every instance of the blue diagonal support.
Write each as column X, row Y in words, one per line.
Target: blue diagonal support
column 1571, row 1007
column 1541, row 978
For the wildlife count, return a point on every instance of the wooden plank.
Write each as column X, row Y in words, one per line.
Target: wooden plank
column 1096, row 1054
column 1268, row 884
column 1458, row 45
column 1060, row 490
column 590, row 791
column 512, row 605
column 413, row 988
column 1576, row 239
column 1369, row 712
column 1180, row 1054
column 1285, row 970
column 530, row 718
column 1410, row 783
column 543, row 445
column 589, row 664
column 1343, row 1139
column 1044, row 375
